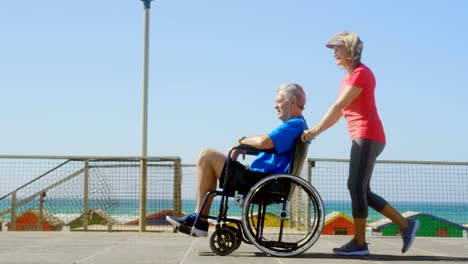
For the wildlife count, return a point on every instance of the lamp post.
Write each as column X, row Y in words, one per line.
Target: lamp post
column 144, row 152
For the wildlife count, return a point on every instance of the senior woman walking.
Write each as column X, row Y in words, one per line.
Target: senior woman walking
column 356, row 102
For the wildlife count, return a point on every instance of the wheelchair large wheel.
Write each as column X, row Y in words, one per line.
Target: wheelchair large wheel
column 283, row 215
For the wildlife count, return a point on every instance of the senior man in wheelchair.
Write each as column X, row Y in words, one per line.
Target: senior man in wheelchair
column 211, row 164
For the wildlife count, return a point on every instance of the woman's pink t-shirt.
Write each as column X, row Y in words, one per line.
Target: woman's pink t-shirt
column 361, row 114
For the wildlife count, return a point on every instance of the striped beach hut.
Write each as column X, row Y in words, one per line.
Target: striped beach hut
column 158, row 218
column 29, row 221
column 337, row 223
column 95, row 217
column 431, row 226
column 271, row 220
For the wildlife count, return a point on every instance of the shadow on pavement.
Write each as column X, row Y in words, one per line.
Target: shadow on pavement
column 373, row 257
column 377, row 257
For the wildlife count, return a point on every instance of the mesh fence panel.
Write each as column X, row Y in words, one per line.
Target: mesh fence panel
column 434, row 192
column 189, row 195
column 55, row 190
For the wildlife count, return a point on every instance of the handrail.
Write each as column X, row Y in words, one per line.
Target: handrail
column 90, row 158
column 31, row 197
column 60, row 164
column 33, row 180
column 75, row 158
column 420, row 162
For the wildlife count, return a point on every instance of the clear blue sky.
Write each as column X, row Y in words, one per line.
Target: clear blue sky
column 71, row 74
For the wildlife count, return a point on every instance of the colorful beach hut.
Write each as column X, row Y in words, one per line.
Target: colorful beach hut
column 431, row 226
column 29, row 221
column 271, row 220
column 337, row 223
column 158, row 218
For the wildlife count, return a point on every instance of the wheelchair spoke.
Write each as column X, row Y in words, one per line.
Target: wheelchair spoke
column 288, row 219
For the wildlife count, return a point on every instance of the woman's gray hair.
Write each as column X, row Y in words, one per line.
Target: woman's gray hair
column 352, row 43
column 289, row 90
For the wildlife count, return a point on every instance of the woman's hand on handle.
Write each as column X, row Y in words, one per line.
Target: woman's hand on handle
column 310, row 134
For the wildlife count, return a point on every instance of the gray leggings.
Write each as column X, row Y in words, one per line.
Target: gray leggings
column 364, row 153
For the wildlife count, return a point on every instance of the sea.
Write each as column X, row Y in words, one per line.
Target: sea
column 125, row 210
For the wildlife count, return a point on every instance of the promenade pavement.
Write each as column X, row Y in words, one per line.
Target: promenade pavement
column 152, row 247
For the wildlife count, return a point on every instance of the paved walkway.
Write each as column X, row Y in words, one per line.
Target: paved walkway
column 132, row 247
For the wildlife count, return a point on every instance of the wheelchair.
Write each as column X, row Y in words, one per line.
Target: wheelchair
column 282, row 214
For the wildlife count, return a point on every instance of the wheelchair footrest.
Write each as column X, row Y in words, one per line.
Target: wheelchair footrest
column 185, row 229
column 279, row 244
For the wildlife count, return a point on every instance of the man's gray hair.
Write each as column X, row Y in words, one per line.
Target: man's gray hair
column 289, row 90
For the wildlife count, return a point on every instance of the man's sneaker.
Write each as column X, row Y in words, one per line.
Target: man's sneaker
column 408, row 234
column 185, row 225
column 184, row 220
column 352, row 248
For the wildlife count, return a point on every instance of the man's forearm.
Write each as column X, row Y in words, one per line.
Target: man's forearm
column 259, row 142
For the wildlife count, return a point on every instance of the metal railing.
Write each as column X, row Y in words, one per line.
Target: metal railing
column 434, row 192
column 103, row 193
column 85, row 193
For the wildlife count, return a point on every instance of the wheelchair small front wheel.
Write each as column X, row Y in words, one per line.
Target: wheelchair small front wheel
column 238, row 236
column 223, row 241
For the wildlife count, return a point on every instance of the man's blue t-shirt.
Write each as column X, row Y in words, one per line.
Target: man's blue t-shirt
column 283, row 139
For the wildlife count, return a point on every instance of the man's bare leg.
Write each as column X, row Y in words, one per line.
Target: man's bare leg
column 209, row 167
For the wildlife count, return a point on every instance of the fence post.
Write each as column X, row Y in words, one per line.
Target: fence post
column 310, row 165
column 143, row 189
column 86, row 196
column 177, row 210
column 13, row 211
column 40, row 220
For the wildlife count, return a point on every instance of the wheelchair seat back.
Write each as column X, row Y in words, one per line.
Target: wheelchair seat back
column 299, row 156
column 282, row 189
